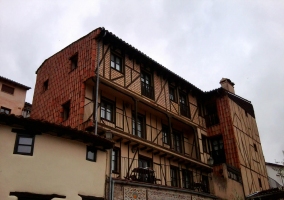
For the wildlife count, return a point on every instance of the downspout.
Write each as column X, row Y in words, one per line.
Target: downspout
column 97, row 82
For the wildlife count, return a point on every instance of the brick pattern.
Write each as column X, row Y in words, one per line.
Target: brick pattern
column 145, row 193
column 64, row 84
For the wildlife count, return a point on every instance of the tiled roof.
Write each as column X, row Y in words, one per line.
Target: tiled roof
column 35, row 126
column 14, row 83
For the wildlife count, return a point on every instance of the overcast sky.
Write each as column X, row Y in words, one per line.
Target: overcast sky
column 202, row 41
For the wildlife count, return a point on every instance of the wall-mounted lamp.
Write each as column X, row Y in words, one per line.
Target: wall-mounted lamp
column 108, row 135
column 210, row 161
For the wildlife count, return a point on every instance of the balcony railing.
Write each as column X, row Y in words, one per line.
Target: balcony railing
column 122, row 122
column 147, row 90
column 160, row 174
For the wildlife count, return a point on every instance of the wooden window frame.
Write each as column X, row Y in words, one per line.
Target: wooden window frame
column 141, row 119
column 172, row 93
column 8, row 89
column 113, row 64
column 166, row 134
column 115, row 159
column 104, row 110
column 94, row 151
column 147, row 89
column 5, row 110
column 187, row 179
column 17, row 144
column 143, row 159
column 184, row 105
column 174, row 175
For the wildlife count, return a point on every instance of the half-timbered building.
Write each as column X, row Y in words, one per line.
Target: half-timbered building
column 172, row 140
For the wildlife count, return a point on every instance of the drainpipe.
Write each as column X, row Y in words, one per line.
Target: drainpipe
column 97, row 83
column 111, row 184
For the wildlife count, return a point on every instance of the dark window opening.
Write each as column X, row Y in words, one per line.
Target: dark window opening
column 166, row 134
column 66, row 110
column 74, row 61
column 115, row 161
column 174, row 172
column 172, row 93
column 205, row 184
column 7, row 89
column 218, row 152
column 187, row 179
column 24, row 144
column 201, row 109
column 91, row 154
column 211, row 118
column 45, row 85
column 146, row 85
column 254, row 146
column 145, row 162
column 205, row 144
column 107, row 110
column 116, row 62
column 234, row 173
column 184, row 108
column 140, row 126
column 259, row 182
column 5, row 110
column 177, row 139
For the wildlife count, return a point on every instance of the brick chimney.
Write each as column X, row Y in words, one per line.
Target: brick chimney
column 227, row 84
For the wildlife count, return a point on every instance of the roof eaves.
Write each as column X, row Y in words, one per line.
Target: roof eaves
column 14, row 83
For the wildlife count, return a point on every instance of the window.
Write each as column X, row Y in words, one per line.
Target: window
column 7, row 89
column 166, row 134
column 107, row 110
column 218, row 152
column 145, row 162
column 24, row 144
column 74, row 61
column 201, row 108
column 174, row 176
column 177, row 141
column 5, row 110
column 259, row 183
column 184, row 108
column 66, row 110
column 254, row 146
column 45, row 85
column 115, row 62
column 172, row 93
column 205, row 144
column 234, row 173
column 115, row 161
column 211, row 118
column 140, row 126
column 205, row 184
column 91, row 154
column 187, row 179
column 146, row 85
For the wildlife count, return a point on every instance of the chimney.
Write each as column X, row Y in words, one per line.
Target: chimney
column 227, row 84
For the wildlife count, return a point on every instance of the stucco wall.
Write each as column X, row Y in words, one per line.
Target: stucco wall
column 15, row 101
column 57, row 166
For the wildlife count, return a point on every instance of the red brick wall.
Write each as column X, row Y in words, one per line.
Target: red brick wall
column 225, row 128
column 64, row 84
